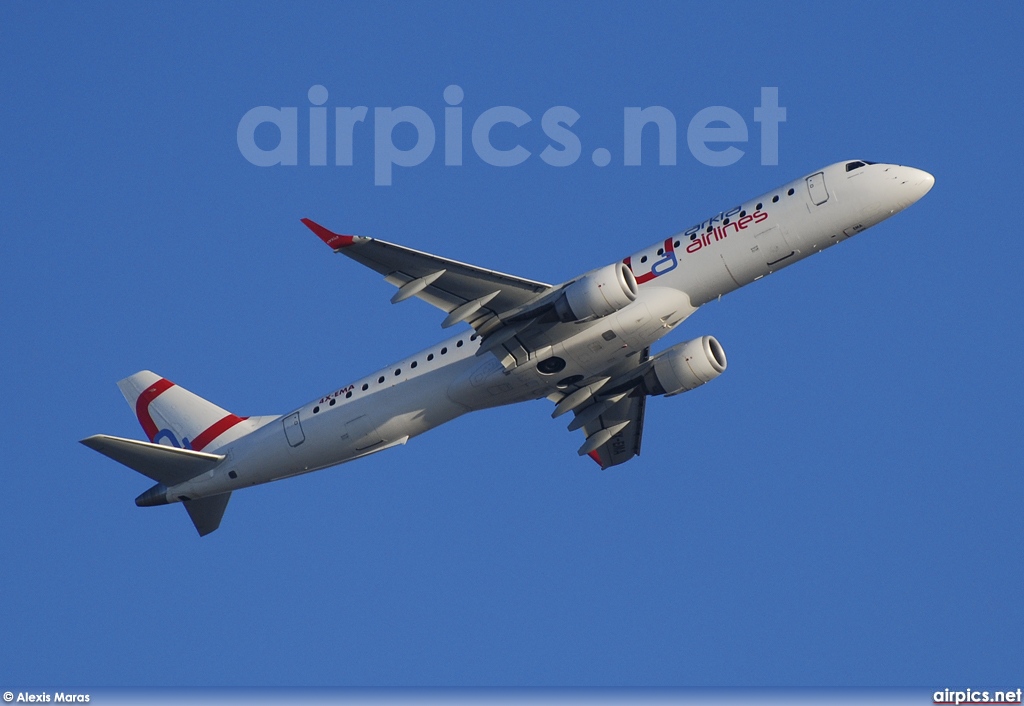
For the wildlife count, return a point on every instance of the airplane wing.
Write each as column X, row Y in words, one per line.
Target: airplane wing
column 613, row 416
column 624, row 443
column 466, row 293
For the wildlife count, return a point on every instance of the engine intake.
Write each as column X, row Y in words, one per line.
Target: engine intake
column 685, row 366
column 599, row 293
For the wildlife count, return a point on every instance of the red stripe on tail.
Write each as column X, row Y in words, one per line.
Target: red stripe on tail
column 202, row 441
column 145, row 399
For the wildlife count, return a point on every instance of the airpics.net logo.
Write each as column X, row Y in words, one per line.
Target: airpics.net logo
column 712, row 134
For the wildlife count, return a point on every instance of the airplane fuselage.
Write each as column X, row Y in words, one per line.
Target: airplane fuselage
column 675, row 277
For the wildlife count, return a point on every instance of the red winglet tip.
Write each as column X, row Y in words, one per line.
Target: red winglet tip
column 333, row 240
column 597, row 457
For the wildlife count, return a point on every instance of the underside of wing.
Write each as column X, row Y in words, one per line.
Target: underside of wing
column 624, row 423
column 610, row 411
column 465, row 292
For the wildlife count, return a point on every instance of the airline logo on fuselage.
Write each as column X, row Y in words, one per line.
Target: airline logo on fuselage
column 700, row 236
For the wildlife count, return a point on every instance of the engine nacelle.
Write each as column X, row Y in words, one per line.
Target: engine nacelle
column 686, row 366
column 599, row 293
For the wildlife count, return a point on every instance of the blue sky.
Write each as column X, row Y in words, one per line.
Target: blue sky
column 842, row 507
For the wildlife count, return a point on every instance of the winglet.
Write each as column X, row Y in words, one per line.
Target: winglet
column 597, row 458
column 334, row 240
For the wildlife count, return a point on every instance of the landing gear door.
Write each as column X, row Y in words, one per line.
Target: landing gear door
column 816, row 188
column 293, row 430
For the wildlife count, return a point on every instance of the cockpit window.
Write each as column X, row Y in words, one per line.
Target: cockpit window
column 850, row 166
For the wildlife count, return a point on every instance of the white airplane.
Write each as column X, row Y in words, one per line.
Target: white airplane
column 584, row 345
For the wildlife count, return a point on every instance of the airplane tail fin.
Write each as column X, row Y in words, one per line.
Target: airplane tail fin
column 183, row 429
column 171, row 415
column 206, row 513
column 168, row 466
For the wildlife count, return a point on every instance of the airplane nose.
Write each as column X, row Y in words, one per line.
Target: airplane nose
column 921, row 182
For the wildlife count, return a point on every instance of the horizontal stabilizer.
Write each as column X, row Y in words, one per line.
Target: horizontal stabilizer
column 164, row 464
column 206, row 513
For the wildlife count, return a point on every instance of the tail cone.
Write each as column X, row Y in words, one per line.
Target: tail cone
column 157, row 495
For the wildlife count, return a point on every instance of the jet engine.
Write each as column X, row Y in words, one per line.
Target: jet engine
column 685, row 366
column 598, row 293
